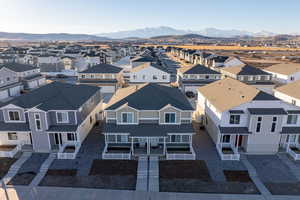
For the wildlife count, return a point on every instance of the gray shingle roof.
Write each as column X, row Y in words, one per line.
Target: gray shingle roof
column 250, row 70
column 263, row 96
column 63, row 128
column 267, row 111
column 200, row 69
column 14, row 126
column 103, row 68
column 153, row 97
column 290, row 130
column 56, row 96
column 17, row 67
column 148, row 130
column 234, row 130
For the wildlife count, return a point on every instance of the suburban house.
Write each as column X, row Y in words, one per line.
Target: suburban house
column 148, row 119
column 103, row 75
column 53, row 118
column 139, row 60
column 192, row 77
column 15, row 77
column 240, row 118
column 232, row 61
column 284, row 73
column 149, row 73
column 250, row 75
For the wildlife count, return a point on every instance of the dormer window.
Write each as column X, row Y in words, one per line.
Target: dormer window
column 62, row 117
column 127, row 118
column 170, row 118
column 14, row 115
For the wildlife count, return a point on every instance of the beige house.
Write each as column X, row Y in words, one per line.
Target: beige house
column 148, row 119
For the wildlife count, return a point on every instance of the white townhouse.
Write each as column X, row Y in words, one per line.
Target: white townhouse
column 149, row 73
column 240, row 118
column 284, row 73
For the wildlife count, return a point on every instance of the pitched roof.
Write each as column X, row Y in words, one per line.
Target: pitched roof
column 142, row 59
column 102, row 69
column 284, row 68
column 56, row 96
column 245, row 70
column 149, row 96
column 197, row 69
column 229, row 93
column 145, row 65
column 17, row 67
column 291, row 89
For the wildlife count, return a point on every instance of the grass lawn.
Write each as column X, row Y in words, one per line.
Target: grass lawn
column 193, row 177
column 5, row 164
column 104, row 174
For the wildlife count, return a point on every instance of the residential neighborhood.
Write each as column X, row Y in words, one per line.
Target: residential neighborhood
column 103, row 101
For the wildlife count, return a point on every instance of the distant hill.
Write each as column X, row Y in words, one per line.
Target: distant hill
column 180, row 37
column 51, row 37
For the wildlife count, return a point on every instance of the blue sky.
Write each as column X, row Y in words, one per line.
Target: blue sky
column 98, row 16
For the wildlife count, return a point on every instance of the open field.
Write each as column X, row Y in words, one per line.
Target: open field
column 229, row 48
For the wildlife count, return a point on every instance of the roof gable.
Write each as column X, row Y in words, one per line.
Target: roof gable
column 103, row 68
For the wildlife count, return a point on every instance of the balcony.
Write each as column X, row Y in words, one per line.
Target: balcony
column 68, row 150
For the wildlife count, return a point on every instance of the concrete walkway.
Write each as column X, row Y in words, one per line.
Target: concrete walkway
column 43, row 170
column 153, row 179
column 253, row 174
column 16, row 166
column 294, row 169
column 142, row 174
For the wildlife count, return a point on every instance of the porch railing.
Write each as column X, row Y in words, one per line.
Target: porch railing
column 12, row 152
column 181, row 156
column 68, row 155
column 234, row 156
column 118, row 156
column 292, row 153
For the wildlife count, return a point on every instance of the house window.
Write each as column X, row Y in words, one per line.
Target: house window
column 170, row 118
column 258, row 125
column 154, row 77
column 144, row 77
column 62, row 117
column 71, row 137
column 91, row 119
column 207, row 77
column 82, row 76
column 37, row 118
column 111, row 138
column 127, row 118
column 134, row 77
column 294, row 102
column 234, row 119
column 292, row 119
column 92, row 76
column 12, row 136
column 164, row 77
column 14, row 115
column 241, row 78
column 250, row 78
column 273, row 128
column 226, row 139
column 292, row 78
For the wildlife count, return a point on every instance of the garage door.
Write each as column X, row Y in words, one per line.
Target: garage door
column 107, row 89
column 15, row 91
column 3, row 94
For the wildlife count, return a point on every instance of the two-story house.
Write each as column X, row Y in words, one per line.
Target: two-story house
column 103, row 75
column 284, row 73
column 148, row 119
column 139, row 60
column 51, row 117
column 250, row 75
column 189, row 79
column 241, row 118
column 149, row 73
column 14, row 77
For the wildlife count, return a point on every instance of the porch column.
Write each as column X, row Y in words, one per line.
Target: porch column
column 164, row 145
column 132, row 150
column 237, row 142
column 289, row 140
column 148, row 146
column 221, row 141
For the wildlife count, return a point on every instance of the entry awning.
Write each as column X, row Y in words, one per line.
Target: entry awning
column 148, row 130
column 63, row 128
column 234, row 130
column 290, row 130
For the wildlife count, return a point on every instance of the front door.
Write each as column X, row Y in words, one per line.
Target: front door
column 57, row 139
column 238, row 140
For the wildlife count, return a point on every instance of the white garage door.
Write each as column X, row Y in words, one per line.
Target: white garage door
column 3, row 94
column 15, row 91
column 107, row 89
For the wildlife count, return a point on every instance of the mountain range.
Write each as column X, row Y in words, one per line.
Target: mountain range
column 165, row 30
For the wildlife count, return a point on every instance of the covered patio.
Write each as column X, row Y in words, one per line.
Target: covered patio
column 127, row 141
column 291, row 141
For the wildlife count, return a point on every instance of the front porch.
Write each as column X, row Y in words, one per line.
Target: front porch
column 228, row 146
column 9, row 151
column 292, row 146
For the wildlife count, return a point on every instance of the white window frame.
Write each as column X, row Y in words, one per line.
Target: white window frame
column 62, row 122
column 287, row 120
column 35, row 120
column 10, row 120
column 170, row 122
column 122, row 122
column 234, row 120
column 15, row 136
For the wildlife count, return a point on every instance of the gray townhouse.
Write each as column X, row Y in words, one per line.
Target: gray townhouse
column 148, row 119
column 51, row 117
column 106, row 76
column 15, row 77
